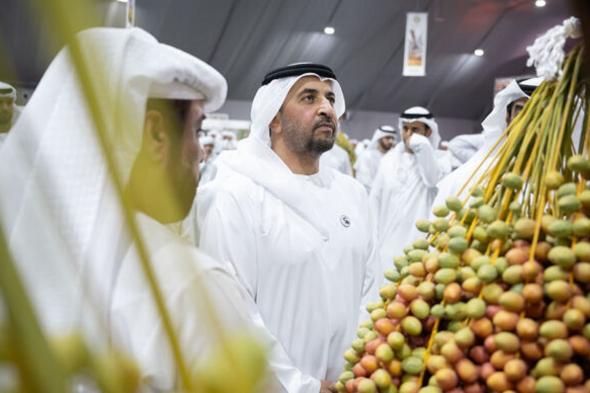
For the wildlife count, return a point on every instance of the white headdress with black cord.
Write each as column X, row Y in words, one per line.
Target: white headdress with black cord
column 422, row 115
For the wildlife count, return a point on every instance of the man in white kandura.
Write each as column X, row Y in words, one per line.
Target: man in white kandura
column 405, row 185
column 507, row 105
column 366, row 165
column 65, row 223
column 297, row 232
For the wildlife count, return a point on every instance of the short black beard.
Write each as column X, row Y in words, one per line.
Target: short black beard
column 384, row 148
column 294, row 140
column 319, row 146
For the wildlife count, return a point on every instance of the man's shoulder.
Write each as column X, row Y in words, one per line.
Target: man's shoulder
column 174, row 259
column 226, row 193
column 229, row 183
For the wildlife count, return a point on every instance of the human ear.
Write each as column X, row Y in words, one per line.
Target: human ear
column 275, row 124
column 156, row 140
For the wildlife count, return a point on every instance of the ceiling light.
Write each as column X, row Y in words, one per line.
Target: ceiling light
column 329, row 30
column 540, row 3
column 122, row 1
column 478, row 52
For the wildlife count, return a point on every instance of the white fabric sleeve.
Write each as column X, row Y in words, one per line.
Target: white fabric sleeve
column 465, row 146
column 429, row 168
column 227, row 236
column 444, row 159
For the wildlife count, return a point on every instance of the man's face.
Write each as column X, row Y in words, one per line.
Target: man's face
column 386, row 143
column 6, row 110
column 185, row 154
column 515, row 108
column 207, row 150
column 416, row 127
column 307, row 118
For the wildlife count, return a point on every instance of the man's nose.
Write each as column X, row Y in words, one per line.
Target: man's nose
column 327, row 109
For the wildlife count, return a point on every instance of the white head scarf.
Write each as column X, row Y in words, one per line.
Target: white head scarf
column 270, row 97
column 58, row 208
column 495, row 123
column 382, row 132
column 207, row 140
column 434, row 137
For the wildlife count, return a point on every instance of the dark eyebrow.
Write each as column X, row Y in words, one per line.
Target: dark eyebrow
column 307, row 91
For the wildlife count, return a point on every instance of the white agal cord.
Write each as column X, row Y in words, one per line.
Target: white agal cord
column 547, row 54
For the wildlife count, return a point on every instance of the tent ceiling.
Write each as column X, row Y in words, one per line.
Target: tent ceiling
column 245, row 39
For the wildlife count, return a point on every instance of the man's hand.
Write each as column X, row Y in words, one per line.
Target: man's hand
column 327, row 387
column 406, row 135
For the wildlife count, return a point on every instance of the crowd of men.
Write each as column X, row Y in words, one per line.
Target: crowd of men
column 285, row 243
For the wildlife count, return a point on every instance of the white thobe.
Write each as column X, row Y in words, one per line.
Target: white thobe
column 181, row 270
column 366, row 167
column 402, row 193
column 302, row 247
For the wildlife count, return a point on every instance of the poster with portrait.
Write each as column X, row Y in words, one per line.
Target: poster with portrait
column 415, row 44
